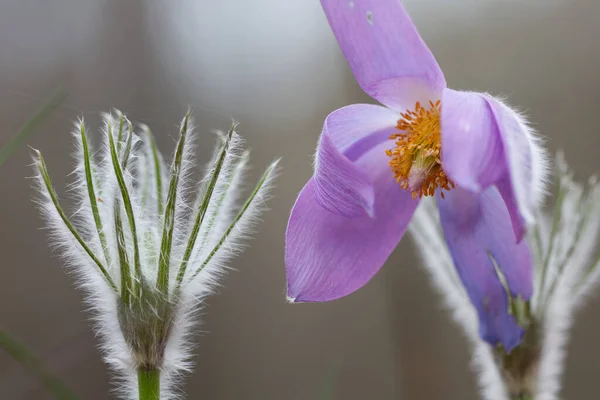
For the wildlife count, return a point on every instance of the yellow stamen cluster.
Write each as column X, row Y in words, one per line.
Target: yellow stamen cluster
column 415, row 161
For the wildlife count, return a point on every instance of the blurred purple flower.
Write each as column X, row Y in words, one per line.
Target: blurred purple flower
column 475, row 154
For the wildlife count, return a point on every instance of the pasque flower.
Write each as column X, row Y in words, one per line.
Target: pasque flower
column 471, row 151
column 566, row 269
column 148, row 244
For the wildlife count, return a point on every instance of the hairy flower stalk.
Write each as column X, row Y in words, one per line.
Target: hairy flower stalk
column 566, row 269
column 147, row 244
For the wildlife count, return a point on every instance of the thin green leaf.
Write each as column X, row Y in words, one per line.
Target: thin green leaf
column 585, row 203
column 162, row 281
column 537, row 236
column 145, row 162
column 235, row 175
column 29, row 127
column 91, row 191
column 555, row 225
column 238, row 217
column 204, row 206
column 145, row 185
column 127, row 151
column 120, row 136
column 592, row 269
column 593, row 266
column 21, row 354
column 128, row 208
column 46, row 178
column 157, row 170
column 126, row 284
column 125, row 268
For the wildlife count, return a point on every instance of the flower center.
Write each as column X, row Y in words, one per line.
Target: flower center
column 415, row 161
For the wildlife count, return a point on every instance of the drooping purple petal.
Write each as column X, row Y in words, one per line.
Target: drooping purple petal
column 505, row 188
column 482, row 145
column 525, row 158
column 329, row 255
column 477, row 228
column 388, row 57
column 341, row 185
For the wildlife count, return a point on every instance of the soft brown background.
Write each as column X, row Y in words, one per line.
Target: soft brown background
column 273, row 65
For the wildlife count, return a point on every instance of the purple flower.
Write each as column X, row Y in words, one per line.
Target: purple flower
column 373, row 163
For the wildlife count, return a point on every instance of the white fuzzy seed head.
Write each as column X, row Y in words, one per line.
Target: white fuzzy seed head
column 148, row 244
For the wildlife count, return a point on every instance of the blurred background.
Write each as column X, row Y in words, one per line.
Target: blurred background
column 274, row 66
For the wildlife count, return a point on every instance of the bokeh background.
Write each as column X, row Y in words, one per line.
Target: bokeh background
column 275, row 66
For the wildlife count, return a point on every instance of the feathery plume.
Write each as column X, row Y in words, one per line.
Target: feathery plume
column 147, row 244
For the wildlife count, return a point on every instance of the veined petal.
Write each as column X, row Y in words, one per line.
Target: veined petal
column 388, row 57
column 329, row 255
column 476, row 229
column 341, row 185
column 485, row 143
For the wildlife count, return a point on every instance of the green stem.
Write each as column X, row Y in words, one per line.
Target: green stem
column 149, row 383
column 19, row 352
column 30, row 126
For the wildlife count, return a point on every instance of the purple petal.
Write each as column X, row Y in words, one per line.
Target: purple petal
column 341, row 185
column 505, row 188
column 328, row 255
column 388, row 57
column 482, row 145
column 525, row 159
column 472, row 154
column 477, row 227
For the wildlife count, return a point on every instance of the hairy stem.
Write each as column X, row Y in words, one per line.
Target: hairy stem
column 519, row 368
column 149, row 383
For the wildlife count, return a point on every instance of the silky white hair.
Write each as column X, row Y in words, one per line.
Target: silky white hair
column 133, row 212
column 566, row 270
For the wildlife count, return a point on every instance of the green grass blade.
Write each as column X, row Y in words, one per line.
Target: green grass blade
column 21, row 354
column 29, row 127
column 41, row 165
column 128, row 209
column 203, row 207
column 267, row 174
column 91, row 191
column 329, row 384
column 162, row 282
